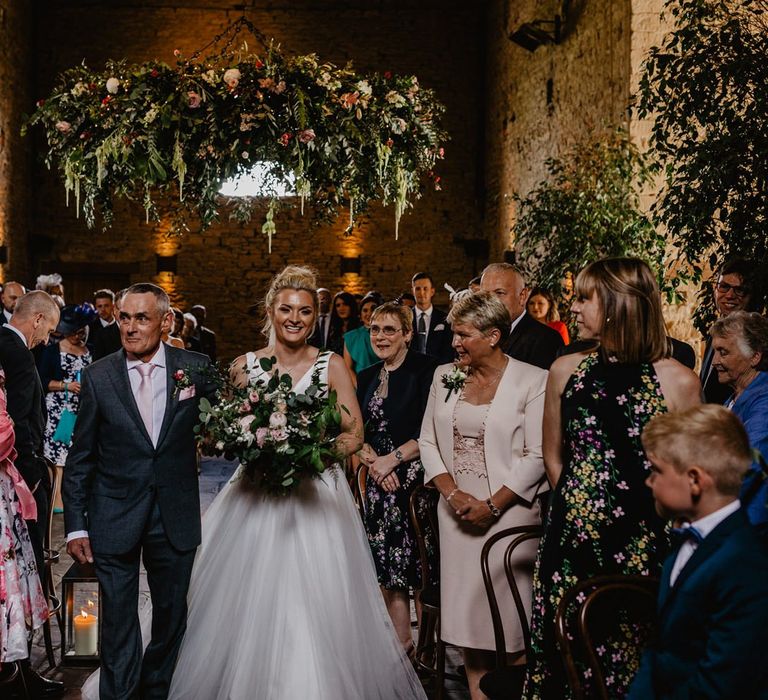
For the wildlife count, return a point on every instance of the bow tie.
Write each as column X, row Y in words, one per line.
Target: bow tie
column 680, row 535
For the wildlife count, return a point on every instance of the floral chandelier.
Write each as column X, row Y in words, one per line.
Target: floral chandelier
column 170, row 136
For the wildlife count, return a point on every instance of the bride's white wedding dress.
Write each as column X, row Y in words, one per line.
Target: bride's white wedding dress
column 284, row 603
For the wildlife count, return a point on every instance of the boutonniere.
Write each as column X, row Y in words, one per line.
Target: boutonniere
column 454, row 381
column 183, row 381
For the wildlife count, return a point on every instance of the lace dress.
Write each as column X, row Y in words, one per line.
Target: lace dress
column 22, row 603
column 465, row 615
column 602, row 518
column 284, row 601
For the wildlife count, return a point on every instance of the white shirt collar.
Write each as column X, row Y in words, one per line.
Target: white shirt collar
column 106, row 324
column 17, row 332
column 428, row 312
column 516, row 321
column 158, row 359
column 709, row 522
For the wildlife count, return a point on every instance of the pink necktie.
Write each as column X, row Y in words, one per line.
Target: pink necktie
column 144, row 398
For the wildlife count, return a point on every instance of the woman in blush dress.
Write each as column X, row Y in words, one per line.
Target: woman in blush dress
column 284, row 601
column 480, row 445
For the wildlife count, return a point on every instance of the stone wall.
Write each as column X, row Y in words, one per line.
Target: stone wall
column 15, row 98
column 228, row 267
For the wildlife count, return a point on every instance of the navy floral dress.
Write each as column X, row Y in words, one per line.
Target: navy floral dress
column 602, row 517
column 391, row 421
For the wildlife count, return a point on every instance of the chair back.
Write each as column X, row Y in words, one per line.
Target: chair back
column 422, row 507
column 361, row 475
column 519, row 535
column 592, row 614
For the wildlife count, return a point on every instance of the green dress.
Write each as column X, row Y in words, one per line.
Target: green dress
column 358, row 344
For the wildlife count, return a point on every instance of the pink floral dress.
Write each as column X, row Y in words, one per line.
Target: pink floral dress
column 22, row 602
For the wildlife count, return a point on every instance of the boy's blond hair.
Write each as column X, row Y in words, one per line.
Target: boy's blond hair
column 708, row 436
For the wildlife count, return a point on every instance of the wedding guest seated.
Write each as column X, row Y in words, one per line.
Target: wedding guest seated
column 406, row 299
column 344, row 318
column 319, row 337
column 736, row 288
column 52, row 284
column 205, row 336
column 358, row 352
column 23, row 606
column 12, row 292
column 59, row 366
column 740, row 360
column 528, row 340
column 480, row 444
column 713, row 617
column 431, row 332
column 393, row 395
column 541, row 305
column 174, row 335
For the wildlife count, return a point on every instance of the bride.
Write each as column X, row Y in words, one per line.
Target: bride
column 284, row 601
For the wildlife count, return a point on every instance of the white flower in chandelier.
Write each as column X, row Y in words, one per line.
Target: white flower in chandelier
column 113, row 85
column 231, row 77
column 150, row 116
column 399, row 125
column 80, row 88
column 63, row 127
column 395, row 98
column 210, row 77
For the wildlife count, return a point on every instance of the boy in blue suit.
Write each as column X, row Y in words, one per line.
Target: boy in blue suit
column 713, row 599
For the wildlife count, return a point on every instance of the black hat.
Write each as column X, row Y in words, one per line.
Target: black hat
column 74, row 317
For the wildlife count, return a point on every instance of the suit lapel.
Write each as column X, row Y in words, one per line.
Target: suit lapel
column 706, row 549
column 171, row 395
column 124, row 391
column 664, row 583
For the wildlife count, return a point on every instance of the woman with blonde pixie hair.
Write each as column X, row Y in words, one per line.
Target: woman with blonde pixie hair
column 602, row 517
column 480, row 445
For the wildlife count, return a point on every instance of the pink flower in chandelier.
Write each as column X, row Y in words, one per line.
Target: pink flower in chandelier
column 349, row 99
column 193, row 99
column 284, row 139
column 307, row 135
column 63, row 127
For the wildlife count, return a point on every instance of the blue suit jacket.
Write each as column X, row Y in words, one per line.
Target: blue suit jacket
column 713, row 623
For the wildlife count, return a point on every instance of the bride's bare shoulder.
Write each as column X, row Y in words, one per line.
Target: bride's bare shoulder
column 238, row 370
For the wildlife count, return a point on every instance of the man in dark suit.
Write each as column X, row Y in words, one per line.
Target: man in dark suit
column 432, row 334
column 319, row 337
column 713, row 616
column 205, row 335
column 529, row 341
column 12, row 292
column 734, row 291
column 104, row 333
column 130, row 488
column 35, row 317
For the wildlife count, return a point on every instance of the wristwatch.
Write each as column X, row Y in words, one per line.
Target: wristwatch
column 495, row 512
column 399, row 456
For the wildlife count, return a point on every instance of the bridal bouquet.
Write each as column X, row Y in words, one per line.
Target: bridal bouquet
column 278, row 435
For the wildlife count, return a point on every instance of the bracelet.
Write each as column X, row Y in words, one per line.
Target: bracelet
column 451, row 494
column 495, row 512
column 64, row 386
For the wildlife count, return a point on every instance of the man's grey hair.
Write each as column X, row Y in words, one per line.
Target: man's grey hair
column 503, row 267
column 36, row 302
column 162, row 298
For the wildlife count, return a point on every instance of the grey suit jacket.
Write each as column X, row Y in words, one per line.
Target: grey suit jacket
column 114, row 473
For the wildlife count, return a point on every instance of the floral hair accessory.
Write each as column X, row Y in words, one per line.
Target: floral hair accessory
column 454, row 381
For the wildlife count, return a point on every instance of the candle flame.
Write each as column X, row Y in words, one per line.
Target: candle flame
column 90, row 603
column 83, row 613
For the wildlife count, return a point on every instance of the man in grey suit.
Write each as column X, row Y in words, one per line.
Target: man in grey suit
column 130, row 488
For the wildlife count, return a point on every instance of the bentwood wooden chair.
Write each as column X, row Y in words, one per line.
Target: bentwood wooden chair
column 358, row 488
column 46, row 576
column 12, row 681
column 506, row 682
column 430, row 649
column 596, row 613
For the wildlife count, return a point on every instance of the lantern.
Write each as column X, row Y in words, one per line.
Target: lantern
column 81, row 616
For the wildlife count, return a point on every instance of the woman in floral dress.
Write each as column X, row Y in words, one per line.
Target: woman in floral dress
column 22, row 603
column 602, row 518
column 393, row 396
column 60, row 366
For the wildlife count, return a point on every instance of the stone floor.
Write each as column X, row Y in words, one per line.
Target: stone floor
column 214, row 474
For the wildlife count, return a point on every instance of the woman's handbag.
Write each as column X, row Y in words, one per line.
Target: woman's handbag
column 66, row 426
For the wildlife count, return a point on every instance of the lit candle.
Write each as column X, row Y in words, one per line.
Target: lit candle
column 86, row 633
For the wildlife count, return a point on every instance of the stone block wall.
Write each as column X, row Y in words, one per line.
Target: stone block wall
column 16, row 30
column 227, row 268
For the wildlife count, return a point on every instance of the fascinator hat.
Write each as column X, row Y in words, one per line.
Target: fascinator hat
column 74, row 317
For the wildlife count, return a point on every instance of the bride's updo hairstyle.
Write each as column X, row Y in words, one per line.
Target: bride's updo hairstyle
column 295, row 277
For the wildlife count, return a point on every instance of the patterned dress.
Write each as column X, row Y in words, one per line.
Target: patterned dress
column 57, row 401
column 22, row 603
column 387, row 520
column 602, row 518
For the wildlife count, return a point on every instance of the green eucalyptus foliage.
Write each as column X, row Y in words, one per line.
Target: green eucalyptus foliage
column 706, row 88
column 586, row 209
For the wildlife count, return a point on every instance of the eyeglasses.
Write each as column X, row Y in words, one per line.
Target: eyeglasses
column 724, row 288
column 387, row 331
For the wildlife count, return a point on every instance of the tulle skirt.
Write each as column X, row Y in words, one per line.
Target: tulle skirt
column 284, row 602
